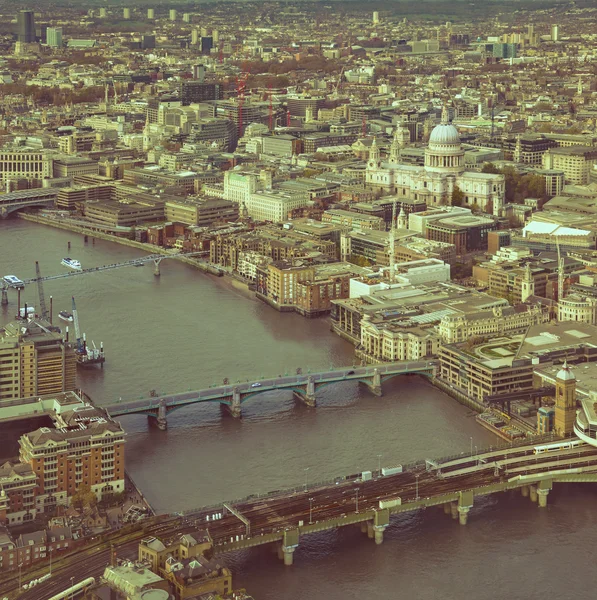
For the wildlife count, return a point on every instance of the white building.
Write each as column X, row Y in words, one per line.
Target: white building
column 443, row 172
column 273, row 205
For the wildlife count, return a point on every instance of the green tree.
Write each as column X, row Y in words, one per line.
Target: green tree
column 457, row 196
column 490, row 168
column 84, row 497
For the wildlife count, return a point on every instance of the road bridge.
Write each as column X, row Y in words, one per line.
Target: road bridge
column 369, row 500
column 303, row 386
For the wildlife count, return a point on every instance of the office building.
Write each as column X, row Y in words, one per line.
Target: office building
column 147, row 41
column 151, row 13
column 35, row 361
column 555, row 33
column 25, row 27
column 197, row 91
column 186, row 17
column 54, row 37
column 375, row 17
column 103, row 13
column 126, row 13
column 207, row 44
column 172, row 14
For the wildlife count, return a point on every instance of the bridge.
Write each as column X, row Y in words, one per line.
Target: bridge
column 303, row 386
column 368, row 500
column 36, row 198
column 155, row 258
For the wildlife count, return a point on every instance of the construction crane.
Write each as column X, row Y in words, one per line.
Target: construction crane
column 80, row 342
column 40, row 291
column 86, row 357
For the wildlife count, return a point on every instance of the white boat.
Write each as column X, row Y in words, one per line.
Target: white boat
column 71, row 263
column 13, row 282
column 65, row 316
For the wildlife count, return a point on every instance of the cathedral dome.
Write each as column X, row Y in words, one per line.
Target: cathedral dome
column 443, row 134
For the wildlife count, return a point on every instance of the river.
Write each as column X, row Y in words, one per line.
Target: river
column 187, row 330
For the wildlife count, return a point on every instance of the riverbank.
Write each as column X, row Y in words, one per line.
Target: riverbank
column 100, row 235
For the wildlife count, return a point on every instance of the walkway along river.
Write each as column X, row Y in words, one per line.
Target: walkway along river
column 190, row 330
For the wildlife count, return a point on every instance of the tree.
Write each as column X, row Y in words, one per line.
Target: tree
column 84, row 497
column 457, row 196
column 490, row 168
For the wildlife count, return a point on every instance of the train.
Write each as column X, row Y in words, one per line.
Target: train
column 75, row 589
column 556, row 446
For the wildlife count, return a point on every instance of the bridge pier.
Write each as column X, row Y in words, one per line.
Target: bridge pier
column 161, row 418
column 447, row 508
column 542, row 497
column 465, row 503
column 4, row 296
column 288, row 546
column 533, row 493
column 363, row 526
column 378, row 533
column 234, row 407
column 156, row 268
column 375, row 385
column 454, row 510
column 308, row 397
column 370, row 530
column 524, row 490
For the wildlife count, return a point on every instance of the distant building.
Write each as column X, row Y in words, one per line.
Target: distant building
column 25, row 27
column 54, row 37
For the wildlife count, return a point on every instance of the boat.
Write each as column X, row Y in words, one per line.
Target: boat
column 65, row 316
column 13, row 282
column 71, row 263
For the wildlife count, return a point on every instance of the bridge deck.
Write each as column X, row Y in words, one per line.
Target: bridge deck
column 248, row 389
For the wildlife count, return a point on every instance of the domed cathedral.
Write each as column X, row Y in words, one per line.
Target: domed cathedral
column 444, row 170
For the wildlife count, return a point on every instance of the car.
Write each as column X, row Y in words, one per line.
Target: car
column 350, row 373
column 253, row 385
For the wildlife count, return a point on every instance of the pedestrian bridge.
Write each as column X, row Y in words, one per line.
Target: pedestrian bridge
column 304, row 387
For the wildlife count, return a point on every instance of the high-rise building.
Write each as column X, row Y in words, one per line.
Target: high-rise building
column 195, row 37
column 186, row 17
column 199, row 73
column 103, row 13
column 375, row 18
column 555, row 33
column 151, row 13
column 25, row 27
column 35, row 361
column 207, row 44
column 126, row 13
column 204, row 32
column 173, row 14
column 215, row 34
column 54, row 37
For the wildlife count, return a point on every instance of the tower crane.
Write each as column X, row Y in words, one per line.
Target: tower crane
column 40, row 290
column 80, row 341
column 86, row 357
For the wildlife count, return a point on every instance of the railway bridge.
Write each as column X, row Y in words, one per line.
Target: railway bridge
column 371, row 498
column 368, row 500
column 303, row 386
